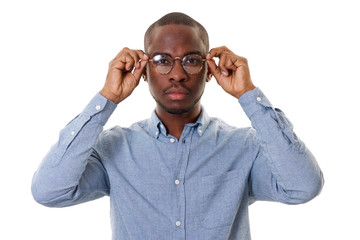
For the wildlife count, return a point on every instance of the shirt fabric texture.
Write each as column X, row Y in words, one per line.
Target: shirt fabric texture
column 197, row 188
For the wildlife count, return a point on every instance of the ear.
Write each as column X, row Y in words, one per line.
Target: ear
column 144, row 75
column 208, row 74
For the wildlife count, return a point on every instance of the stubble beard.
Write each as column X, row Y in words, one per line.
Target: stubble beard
column 178, row 110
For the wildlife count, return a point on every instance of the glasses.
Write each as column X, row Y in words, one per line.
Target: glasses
column 191, row 63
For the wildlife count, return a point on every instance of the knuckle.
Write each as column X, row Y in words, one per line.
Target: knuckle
column 130, row 60
column 124, row 50
column 127, row 50
column 112, row 62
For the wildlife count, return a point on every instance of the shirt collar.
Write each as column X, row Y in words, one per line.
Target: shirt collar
column 156, row 126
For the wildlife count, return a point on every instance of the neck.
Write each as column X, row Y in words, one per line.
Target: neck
column 175, row 123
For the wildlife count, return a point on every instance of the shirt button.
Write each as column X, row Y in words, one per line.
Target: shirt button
column 97, row 107
column 258, row 99
column 172, row 140
column 199, row 131
column 72, row 133
column 178, row 223
column 177, row 182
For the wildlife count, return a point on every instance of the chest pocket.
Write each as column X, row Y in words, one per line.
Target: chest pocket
column 221, row 197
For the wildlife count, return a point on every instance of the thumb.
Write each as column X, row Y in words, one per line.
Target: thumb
column 138, row 71
column 215, row 71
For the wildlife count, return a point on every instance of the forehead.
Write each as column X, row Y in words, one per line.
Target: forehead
column 176, row 40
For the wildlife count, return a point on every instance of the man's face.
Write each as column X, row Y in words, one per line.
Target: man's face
column 178, row 91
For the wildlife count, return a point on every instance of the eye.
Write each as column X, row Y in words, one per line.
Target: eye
column 193, row 60
column 162, row 60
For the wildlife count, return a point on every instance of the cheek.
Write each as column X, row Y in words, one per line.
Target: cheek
column 200, row 83
column 155, row 82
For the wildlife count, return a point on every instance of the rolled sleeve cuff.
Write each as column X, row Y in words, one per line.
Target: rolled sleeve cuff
column 100, row 109
column 254, row 101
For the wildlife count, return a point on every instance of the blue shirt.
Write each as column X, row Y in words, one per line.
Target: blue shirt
column 197, row 188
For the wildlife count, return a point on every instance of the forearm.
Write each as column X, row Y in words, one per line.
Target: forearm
column 60, row 172
column 284, row 169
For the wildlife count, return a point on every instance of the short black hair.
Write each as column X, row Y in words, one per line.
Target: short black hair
column 176, row 18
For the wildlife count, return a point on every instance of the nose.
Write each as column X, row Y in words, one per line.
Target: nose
column 177, row 72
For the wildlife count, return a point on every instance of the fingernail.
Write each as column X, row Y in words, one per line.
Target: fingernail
column 224, row 73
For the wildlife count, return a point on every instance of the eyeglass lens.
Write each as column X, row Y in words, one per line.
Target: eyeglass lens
column 191, row 63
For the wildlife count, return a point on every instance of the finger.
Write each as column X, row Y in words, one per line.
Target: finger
column 241, row 61
column 129, row 62
column 142, row 57
column 117, row 64
column 223, row 61
column 130, row 57
column 139, row 71
column 230, row 62
column 138, row 56
column 216, row 52
column 123, row 61
column 135, row 55
column 215, row 71
column 122, row 52
column 223, row 54
column 141, row 54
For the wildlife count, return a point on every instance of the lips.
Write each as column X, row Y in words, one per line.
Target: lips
column 176, row 93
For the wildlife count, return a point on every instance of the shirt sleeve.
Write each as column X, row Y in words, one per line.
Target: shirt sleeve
column 72, row 171
column 283, row 170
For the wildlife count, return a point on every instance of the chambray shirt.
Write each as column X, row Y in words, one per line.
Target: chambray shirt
column 196, row 188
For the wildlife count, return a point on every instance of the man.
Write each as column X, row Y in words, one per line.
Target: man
column 179, row 174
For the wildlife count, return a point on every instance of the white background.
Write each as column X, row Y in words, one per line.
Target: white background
column 303, row 54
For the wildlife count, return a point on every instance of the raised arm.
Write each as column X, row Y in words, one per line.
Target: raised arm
column 284, row 169
column 72, row 172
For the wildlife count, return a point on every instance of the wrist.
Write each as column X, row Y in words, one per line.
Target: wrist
column 245, row 90
column 110, row 96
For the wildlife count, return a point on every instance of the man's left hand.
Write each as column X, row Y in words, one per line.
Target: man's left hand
column 232, row 72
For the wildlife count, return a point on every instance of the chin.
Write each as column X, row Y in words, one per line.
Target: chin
column 177, row 108
column 174, row 109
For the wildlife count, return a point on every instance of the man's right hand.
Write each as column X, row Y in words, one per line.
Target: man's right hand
column 124, row 74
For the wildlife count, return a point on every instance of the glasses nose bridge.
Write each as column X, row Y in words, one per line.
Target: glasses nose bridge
column 177, row 58
column 181, row 62
column 182, row 73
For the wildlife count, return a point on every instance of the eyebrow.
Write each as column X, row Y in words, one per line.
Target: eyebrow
column 164, row 53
